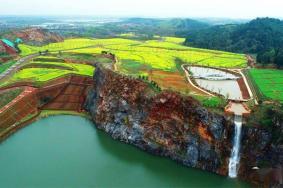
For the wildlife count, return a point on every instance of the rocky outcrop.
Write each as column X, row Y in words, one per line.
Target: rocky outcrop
column 165, row 124
column 262, row 156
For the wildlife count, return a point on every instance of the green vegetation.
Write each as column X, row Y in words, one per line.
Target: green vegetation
column 48, row 58
column 5, row 66
column 269, row 117
column 47, row 113
column 158, row 54
column 41, row 71
column 211, row 102
column 262, row 36
column 85, row 57
column 8, row 96
column 158, row 59
column 269, row 83
column 138, row 28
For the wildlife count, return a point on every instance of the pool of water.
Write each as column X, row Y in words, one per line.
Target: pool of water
column 217, row 81
column 211, row 73
column 68, row 151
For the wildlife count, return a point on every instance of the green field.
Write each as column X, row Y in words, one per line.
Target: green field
column 158, row 59
column 269, row 83
column 155, row 54
column 5, row 66
column 41, row 71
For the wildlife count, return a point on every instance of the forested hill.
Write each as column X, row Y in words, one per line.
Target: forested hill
column 262, row 36
column 176, row 24
column 149, row 27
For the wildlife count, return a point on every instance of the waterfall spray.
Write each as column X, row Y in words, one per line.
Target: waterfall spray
column 235, row 154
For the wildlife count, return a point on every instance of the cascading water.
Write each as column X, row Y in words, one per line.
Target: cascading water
column 235, row 155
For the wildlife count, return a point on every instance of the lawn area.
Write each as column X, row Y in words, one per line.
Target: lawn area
column 269, row 83
column 5, row 66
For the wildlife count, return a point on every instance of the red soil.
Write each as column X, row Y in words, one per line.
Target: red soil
column 243, row 88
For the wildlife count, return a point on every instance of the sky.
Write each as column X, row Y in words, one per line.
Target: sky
column 146, row 8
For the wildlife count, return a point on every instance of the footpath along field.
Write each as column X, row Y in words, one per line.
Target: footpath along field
column 269, row 83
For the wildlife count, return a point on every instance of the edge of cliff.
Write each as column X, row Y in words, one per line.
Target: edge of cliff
column 165, row 124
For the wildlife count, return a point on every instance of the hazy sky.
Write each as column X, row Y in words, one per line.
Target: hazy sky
column 146, row 8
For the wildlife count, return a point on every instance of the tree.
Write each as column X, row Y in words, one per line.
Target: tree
column 279, row 58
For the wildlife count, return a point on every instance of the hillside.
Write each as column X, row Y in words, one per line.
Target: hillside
column 262, row 36
column 34, row 36
column 146, row 28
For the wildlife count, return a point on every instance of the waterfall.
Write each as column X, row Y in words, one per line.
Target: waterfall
column 235, row 154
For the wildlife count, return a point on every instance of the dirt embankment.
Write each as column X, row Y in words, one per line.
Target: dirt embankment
column 34, row 36
column 68, row 94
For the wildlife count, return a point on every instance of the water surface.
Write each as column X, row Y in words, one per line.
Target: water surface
column 217, row 81
column 68, row 151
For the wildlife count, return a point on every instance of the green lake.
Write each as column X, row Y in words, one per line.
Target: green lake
column 68, row 151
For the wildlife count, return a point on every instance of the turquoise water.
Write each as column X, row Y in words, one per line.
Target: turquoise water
column 68, row 151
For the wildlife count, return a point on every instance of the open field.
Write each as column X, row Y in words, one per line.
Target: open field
column 158, row 59
column 42, row 71
column 269, row 83
column 159, row 54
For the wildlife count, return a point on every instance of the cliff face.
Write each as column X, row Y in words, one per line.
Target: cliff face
column 164, row 124
column 260, row 149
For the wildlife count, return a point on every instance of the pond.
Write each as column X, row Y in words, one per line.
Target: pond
column 68, row 151
column 217, row 81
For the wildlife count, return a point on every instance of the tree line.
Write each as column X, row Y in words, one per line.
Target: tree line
column 262, row 37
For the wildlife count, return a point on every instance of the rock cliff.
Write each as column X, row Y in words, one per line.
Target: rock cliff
column 262, row 156
column 166, row 124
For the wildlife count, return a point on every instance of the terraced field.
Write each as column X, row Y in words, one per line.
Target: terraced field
column 269, row 83
column 42, row 71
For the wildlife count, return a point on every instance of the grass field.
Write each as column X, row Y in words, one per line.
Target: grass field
column 269, row 83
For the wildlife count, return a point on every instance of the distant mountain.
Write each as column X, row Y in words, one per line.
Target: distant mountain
column 262, row 36
column 176, row 26
column 222, row 21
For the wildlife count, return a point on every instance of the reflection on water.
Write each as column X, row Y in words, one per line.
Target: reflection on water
column 67, row 151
